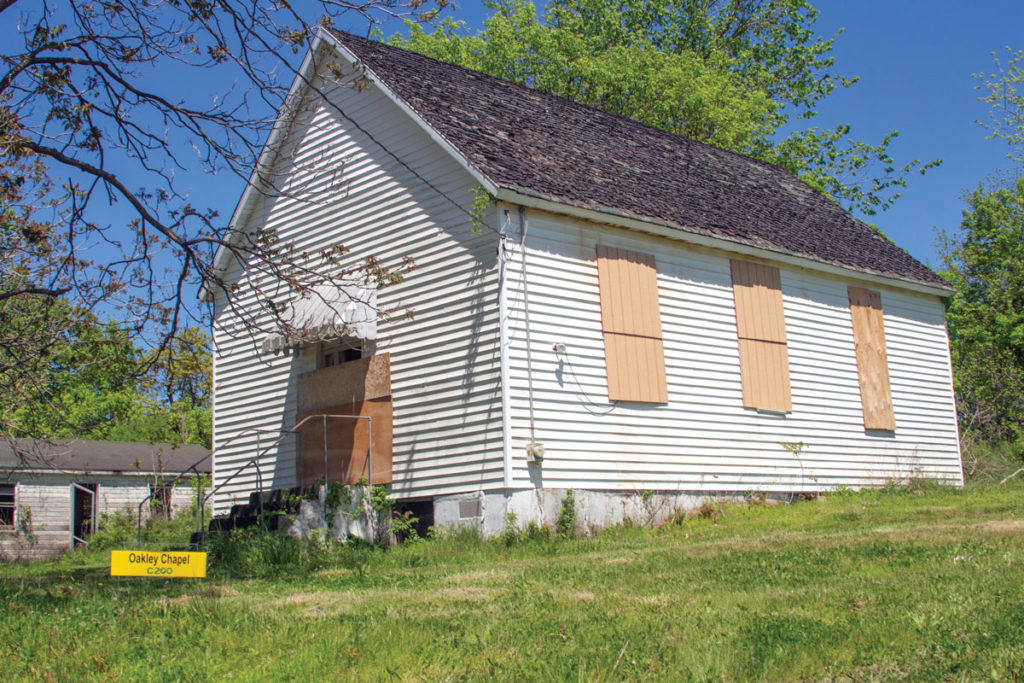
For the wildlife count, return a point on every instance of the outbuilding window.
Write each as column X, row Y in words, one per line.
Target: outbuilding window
column 7, row 505
column 872, row 361
column 761, row 332
column 631, row 325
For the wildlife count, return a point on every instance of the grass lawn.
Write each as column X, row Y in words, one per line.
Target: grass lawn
column 905, row 584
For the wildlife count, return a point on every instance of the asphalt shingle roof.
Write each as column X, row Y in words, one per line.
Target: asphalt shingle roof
column 543, row 145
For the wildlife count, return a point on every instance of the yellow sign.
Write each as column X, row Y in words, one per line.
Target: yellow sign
column 157, row 564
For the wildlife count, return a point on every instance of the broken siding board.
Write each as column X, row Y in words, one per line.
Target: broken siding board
column 872, row 360
column 631, row 326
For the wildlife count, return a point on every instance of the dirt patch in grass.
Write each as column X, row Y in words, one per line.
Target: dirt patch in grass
column 466, row 593
column 488, row 577
column 209, row 593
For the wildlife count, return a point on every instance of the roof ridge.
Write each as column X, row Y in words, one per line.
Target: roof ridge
column 565, row 100
column 563, row 151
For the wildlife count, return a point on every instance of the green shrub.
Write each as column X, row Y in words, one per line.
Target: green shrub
column 257, row 553
column 990, row 461
column 565, row 524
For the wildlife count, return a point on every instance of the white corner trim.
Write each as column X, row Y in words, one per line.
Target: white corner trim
column 503, row 352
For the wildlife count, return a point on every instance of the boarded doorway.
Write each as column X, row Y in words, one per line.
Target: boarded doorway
column 339, row 449
column 83, row 513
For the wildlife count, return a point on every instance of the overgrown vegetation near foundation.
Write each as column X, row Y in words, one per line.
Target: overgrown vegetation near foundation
column 918, row 583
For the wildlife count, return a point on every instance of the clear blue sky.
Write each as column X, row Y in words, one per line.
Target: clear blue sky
column 915, row 60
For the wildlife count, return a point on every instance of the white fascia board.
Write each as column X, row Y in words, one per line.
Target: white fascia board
column 480, row 178
column 129, row 474
column 268, row 157
column 610, row 217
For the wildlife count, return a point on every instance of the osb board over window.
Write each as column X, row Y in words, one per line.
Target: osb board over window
column 761, row 331
column 631, row 326
column 356, row 388
column 872, row 361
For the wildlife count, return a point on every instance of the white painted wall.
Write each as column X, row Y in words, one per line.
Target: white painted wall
column 445, row 363
column 704, row 440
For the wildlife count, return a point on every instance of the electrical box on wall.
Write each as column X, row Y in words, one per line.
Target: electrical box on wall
column 535, row 451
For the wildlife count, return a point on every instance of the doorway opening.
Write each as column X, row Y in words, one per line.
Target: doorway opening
column 83, row 513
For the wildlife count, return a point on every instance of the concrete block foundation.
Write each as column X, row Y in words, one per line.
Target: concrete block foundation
column 486, row 511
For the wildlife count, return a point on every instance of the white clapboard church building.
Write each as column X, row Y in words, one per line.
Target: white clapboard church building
column 641, row 318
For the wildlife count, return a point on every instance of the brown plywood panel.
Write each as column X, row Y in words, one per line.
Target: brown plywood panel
column 628, row 284
column 357, row 380
column 872, row 361
column 761, row 332
column 764, row 374
column 636, row 368
column 757, row 292
column 348, row 443
column 631, row 321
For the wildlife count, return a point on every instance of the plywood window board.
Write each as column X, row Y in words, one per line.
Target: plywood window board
column 631, row 326
column 355, row 388
column 761, row 332
column 872, row 361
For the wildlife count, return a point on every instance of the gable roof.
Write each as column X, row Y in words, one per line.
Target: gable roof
column 74, row 455
column 541, row 145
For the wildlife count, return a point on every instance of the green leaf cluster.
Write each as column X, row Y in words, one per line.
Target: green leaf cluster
column 69, row 375
column 986, row 314
column 731, row 73
column 1004, row 93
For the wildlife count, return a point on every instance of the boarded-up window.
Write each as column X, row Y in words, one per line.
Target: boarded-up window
column 761, row 330
column 872, row 362
column 631, row 323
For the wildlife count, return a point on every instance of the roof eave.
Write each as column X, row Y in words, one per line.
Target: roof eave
column 691, row 235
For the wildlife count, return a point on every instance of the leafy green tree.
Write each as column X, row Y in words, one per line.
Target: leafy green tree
column 983, row 261
column 95, row 124
column 732, row 73
column 1004, row 93
column 180, row 383
column 67, row 375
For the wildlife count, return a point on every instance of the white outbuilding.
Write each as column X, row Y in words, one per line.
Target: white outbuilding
column 55, row 493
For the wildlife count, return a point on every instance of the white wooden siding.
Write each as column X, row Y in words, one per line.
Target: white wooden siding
column 704, row 439
column 444, row 355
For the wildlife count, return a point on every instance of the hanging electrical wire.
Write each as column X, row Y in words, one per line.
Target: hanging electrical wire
column 593, row 407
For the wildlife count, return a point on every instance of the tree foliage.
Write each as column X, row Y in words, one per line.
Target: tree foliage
column 732, row 73
column 110, row 112
column 64, row 374
column 986, row 315
column 1004, row 93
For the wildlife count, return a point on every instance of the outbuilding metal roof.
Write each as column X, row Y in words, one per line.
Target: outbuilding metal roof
column 73, row 455
column 546, row 146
